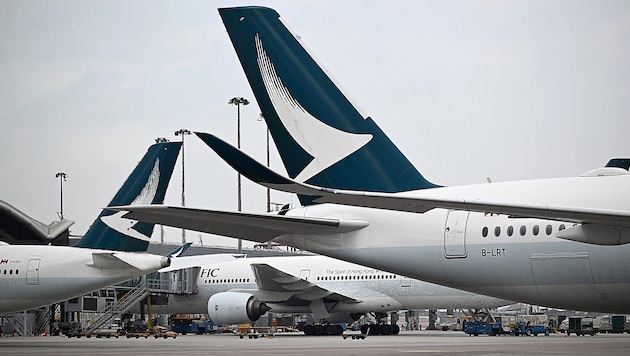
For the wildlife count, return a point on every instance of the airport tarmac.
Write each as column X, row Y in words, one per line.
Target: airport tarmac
column 408, row 342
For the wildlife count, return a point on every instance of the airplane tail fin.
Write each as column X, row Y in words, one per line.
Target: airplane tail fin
column 146, row 185
column 323, row 139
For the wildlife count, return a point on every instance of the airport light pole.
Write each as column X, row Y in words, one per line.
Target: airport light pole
column 183, row 133
column 262, row 118
column 62, row 177
column 158, row 140
column 238, row 101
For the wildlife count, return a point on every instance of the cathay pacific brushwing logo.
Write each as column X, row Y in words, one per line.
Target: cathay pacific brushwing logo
column 146, row 196
column 311, row 134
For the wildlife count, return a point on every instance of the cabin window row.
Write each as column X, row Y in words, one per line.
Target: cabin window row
column 522, row 231
column 237, row 280
column 10, row 272
column 339, row 278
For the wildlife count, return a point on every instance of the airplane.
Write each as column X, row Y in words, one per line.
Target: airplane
column 241, row 290
column 559, row 242
column 34, row 276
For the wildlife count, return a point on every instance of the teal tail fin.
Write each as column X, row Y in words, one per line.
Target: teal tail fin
column 146, row 185
column 323, row 139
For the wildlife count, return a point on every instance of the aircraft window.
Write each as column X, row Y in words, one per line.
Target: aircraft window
column 510, row 230
column 11, row 272
column 548, row 230
column 561, row 227
column 535, row 230
column 484, row 231
column 523, row 230
column 497, row 231
column 5, row 271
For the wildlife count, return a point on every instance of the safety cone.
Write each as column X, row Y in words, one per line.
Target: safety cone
column 565, row 334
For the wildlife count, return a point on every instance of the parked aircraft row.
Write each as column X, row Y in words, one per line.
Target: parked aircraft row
column 243, row 289
column 230, row 290
column 554, row 242
column 35, row 276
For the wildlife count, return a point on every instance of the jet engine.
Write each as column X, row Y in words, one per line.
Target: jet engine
column 235, row 308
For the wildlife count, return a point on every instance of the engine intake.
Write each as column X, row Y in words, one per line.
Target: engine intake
column 235, row 308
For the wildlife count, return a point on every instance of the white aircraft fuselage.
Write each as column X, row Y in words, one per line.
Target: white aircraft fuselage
column 35, row 276
column 512, row 258
column 373, row 290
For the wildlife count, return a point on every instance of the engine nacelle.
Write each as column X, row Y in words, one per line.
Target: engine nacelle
column 235, row 308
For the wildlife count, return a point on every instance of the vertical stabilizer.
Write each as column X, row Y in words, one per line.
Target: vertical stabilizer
column 146, row 185
column 322, row 138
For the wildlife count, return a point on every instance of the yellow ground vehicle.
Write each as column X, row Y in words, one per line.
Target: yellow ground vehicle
column 161, row 331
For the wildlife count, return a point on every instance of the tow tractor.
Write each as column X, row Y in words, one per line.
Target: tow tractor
column 523, row 328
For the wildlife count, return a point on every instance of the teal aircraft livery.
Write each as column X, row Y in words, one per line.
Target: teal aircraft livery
column 553, row 242
column 35, row 276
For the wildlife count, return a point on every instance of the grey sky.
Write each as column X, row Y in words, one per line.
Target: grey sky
column 466, row 89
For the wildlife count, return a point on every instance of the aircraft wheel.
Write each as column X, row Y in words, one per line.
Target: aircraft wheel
column 329, row 329
column 375, row 329
column 395, row 329
column 386, row 329
column 338, row 329
column 364, row 328
column 319, row 330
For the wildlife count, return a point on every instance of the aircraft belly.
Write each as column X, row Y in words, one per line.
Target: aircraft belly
column 508, row 274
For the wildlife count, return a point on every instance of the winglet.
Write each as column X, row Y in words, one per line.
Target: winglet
column 180, row 250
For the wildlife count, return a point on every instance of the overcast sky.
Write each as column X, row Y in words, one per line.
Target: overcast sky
column 466, row 89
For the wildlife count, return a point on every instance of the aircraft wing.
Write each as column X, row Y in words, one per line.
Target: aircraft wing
column 120, row 260
column 604, row 221
column 276, row 282
column 252, row 227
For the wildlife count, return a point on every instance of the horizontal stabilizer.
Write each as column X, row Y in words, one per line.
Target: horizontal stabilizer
column 248, row 226
column 415, row 201
column 119, row 260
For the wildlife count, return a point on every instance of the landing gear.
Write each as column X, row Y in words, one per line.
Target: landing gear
column 325, row 329
column 380, row 329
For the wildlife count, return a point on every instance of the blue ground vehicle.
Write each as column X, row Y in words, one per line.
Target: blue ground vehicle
column 523, row 328
column 188, row 325
column 483, row 328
